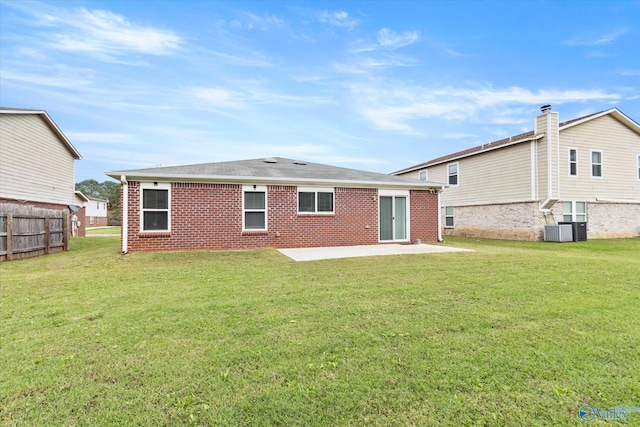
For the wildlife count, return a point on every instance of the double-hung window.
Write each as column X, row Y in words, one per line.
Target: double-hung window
column 156, row 201
column 254, row 208
column 573, row 162
column 315, row 200
column 596, row 164
column 448, row 216
column 452, row 172
column 574, row 211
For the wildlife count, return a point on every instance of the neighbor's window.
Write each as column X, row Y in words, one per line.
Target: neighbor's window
column 254, row 207
column 453, row 173
column 315, row 200
column 596, row 164
column 422, row 175
column 155, row 207
column 448, row 216
column 573, row 162
column 574, row 211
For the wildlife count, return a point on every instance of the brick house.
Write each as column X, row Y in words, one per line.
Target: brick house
column 274, row 202
column 585, row 170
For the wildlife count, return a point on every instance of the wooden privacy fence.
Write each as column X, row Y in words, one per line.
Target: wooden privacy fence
column 27, row 232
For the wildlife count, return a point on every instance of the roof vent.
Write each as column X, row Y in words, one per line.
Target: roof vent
column 270, row 160
column 299, row 162
column 545, row 108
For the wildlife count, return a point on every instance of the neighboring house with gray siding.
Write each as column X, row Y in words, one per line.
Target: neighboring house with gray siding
column 36, row 161
column 582, row 170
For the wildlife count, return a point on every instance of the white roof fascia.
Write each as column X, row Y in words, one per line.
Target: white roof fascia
column 614, row 112
column 225, row 179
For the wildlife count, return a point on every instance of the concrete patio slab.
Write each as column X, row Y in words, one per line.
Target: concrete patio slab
column 314, row 254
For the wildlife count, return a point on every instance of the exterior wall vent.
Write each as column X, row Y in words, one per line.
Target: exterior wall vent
column 299, row 162
column 270, row 160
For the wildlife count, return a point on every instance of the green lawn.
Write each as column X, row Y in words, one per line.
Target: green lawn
column 103, row 230
column 515, row 333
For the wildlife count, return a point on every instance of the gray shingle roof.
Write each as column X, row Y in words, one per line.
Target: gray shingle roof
column 275, row 170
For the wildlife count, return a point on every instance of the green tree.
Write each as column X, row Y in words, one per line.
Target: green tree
column 109, row 190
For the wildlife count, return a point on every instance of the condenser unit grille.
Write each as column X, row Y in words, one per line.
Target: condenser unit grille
column 558, row 233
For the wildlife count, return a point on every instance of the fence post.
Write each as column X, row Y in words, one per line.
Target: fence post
column 47, row 235
column 9, row 236
column 65, row 228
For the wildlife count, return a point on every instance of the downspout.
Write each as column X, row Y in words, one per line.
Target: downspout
column 439, row 217
column 125, row 213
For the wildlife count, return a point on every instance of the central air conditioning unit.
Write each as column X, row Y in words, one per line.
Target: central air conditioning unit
column 558, row 233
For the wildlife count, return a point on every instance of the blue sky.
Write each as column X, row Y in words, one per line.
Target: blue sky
column 369, row 85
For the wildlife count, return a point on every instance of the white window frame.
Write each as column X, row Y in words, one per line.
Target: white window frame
column 397, row 193
column 570, row 162
column 574, row 211
column 593, row 164
column 316, row 190
column 426, row 175
column 449, row 216
column 457, row 174
column 251, row 189
column 155, row 186
column 638, row 175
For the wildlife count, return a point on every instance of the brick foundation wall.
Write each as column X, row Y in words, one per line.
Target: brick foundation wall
column 523, row 221
column 209, row 217
column 609, row 220
column 511, row 221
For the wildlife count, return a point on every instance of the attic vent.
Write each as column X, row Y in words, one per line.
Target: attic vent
column 299, row 162
column 270, row 160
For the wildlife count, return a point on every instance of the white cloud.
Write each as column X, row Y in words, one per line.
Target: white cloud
column 101, row 34
column 395, row 106
column 596, row 39
column 337, row 19
column 390, row 40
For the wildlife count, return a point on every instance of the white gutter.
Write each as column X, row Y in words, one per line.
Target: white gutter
column 439, row 218
column 125, row 213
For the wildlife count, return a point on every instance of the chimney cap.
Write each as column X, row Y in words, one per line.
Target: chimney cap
column 545, row 108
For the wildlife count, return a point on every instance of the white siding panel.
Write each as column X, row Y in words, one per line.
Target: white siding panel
column 499, row 176
column 620, row 147
column 34, row 165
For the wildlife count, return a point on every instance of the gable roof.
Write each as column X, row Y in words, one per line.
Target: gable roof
column 52, row 125
column 275, row 171
column 524, row 137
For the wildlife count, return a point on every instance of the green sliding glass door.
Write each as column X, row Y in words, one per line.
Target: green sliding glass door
column 393, row 218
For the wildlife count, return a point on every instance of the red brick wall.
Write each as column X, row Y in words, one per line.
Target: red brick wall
column 209, row 216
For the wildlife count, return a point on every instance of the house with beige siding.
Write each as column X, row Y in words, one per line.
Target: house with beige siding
column 36, row 162
column 584, row 170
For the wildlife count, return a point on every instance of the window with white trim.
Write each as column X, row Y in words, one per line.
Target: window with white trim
column 155, row 211
column 254, row 207
column 448, row 216
column 422, row 175
column 452, row 172
column 315, row 200
column 574, row 211
column 596, row 164
column 573, row 162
